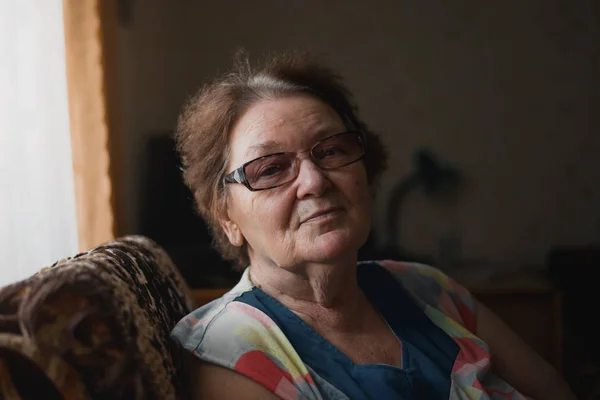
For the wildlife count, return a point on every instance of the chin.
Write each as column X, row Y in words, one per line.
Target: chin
column 334, row 245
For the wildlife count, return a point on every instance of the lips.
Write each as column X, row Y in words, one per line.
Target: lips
column 320, row 213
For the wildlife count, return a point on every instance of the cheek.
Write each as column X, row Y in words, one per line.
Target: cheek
column 270, row 210
column 240, row 207
column 365, row 200
column 361, row 192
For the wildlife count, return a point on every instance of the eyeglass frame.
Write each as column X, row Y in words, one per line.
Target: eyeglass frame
column 238, row 175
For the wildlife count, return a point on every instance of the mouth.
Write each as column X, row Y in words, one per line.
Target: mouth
column 322, row 215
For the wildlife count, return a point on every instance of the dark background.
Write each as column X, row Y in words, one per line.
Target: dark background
column 507, row 93
column 504, row 94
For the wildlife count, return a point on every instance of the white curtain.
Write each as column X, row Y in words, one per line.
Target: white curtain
column 37, row 202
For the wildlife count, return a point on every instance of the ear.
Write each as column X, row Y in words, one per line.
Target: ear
column 233, row 232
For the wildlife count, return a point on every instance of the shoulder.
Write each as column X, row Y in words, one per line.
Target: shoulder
column 417, row 271
column 206, row 381
column 433, row 289
column 233, row 334
column 217, row 331
column 223, row 331
column 191, row 330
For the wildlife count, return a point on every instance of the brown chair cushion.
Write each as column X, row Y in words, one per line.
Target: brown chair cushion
column 94, row 326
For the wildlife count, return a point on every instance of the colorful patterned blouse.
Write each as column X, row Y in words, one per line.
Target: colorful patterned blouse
column 250, row 332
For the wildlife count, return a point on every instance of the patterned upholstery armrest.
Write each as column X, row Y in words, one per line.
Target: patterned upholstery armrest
column 94, row 326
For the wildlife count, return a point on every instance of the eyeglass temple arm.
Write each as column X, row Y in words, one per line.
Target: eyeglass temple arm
column 234, row 176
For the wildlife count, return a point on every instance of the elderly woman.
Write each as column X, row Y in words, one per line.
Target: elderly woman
column 284, row 170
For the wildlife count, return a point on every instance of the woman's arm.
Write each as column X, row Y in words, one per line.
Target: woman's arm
column 517, row 363
column 208, row 382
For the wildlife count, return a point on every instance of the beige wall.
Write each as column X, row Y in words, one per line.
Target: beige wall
column 506, row 91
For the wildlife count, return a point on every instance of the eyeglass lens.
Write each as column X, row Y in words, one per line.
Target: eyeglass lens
column 277, row 169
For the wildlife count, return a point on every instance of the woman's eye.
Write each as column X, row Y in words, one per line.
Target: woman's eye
column 270, row 171
column 330, row 151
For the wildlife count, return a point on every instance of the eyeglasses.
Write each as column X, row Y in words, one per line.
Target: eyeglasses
column 273, row 170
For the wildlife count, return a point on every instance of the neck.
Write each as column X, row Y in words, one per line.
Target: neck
column 324, row 295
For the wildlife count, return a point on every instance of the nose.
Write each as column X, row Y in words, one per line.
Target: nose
column 311, row 180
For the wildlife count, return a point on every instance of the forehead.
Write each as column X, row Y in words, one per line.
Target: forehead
column 284, row 124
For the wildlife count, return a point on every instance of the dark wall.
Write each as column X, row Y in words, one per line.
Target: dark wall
column 508, row 92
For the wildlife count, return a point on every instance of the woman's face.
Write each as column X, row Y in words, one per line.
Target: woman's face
column 322, row 215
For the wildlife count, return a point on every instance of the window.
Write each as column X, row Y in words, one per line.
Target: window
column 37, row 202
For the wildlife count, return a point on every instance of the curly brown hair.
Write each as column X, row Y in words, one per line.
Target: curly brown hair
column 205, row 123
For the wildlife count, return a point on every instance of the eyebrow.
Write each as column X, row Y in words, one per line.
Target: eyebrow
column 271, row 146
column 264, row 147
